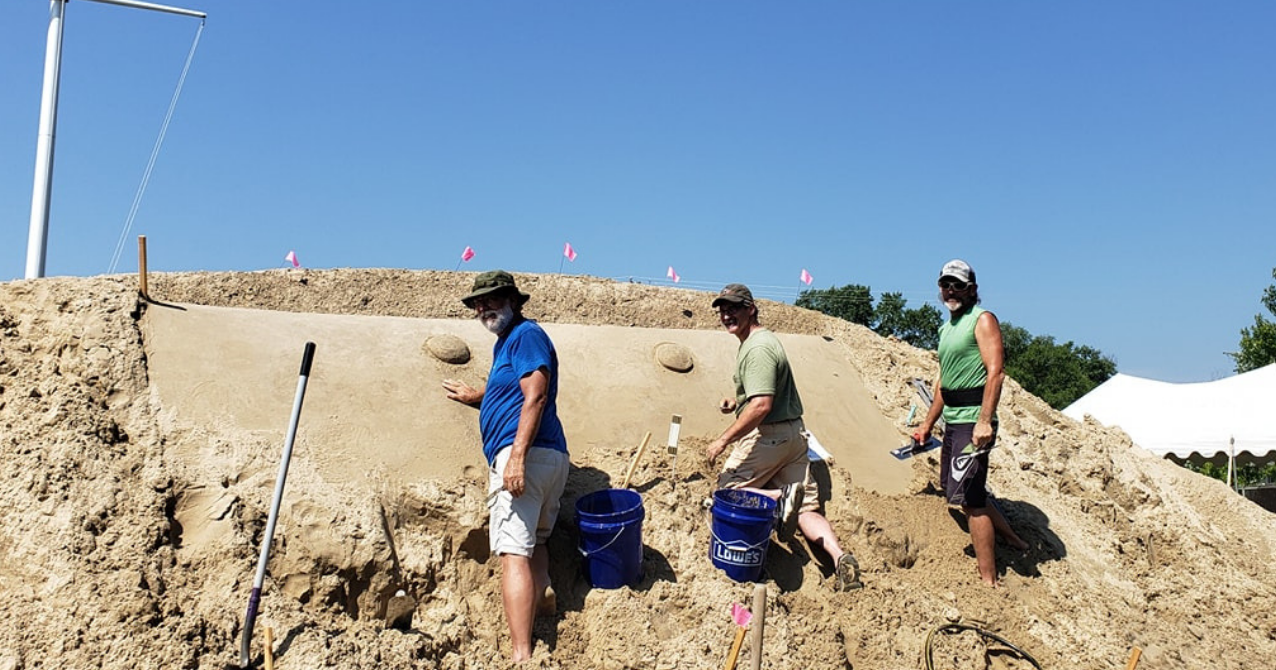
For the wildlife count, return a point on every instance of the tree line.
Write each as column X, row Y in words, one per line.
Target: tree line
column 1058, row 373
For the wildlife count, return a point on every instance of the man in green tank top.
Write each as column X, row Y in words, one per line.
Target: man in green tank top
column 971, row 359
column 770, row 454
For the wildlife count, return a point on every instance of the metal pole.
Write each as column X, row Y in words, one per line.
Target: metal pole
column 158, row 8
column 44, row 143
column 41, row 191
column 254, row 598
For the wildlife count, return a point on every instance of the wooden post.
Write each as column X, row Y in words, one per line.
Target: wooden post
column 270, row 648
column 634, row 463
column 759, row 622
column 141, row 266
column 735, row 648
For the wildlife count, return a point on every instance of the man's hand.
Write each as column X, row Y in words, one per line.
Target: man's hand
column 727, row 405
column 982, row 435
column 514, row 471
column 714, row 450
column 461, row 392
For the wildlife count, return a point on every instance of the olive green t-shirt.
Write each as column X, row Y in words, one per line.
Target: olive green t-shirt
column 762, row 368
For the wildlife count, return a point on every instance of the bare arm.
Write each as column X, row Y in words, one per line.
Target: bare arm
column 755, row 410
column 988, row 336
column 535, row 387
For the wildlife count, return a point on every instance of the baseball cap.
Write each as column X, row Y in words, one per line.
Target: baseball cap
column 734, row 293
column 958, row 269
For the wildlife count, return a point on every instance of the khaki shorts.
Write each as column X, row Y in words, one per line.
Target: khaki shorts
column 769, row 457
column 517, row 525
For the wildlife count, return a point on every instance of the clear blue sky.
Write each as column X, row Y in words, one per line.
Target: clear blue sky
column 1108, row 168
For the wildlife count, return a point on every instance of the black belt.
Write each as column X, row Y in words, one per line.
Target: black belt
column 971, row 397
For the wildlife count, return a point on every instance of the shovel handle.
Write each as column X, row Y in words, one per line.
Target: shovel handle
column 306, row 358
column 634, row 463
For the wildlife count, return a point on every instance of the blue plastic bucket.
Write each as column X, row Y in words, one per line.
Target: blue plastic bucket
column 611, row 537
column 741, row 531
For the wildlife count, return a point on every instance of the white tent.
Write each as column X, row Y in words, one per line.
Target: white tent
column 1185, row 419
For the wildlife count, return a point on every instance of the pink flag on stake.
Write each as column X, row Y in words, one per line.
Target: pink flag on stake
column 806, row 277
column 569, row 252
column 467, row 254
column 292, row 258
column 672, row 275
column 741, row 615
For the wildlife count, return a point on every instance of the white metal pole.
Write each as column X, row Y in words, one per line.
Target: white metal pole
column 41, row 191
column 158, row 8
column 1231, row 462
column 43, row 185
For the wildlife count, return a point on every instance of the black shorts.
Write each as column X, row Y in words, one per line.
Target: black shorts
column 964, row 476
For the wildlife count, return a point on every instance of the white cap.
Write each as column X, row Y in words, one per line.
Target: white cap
column 958, row 269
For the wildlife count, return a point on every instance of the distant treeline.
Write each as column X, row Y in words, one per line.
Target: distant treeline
column 1057, row 373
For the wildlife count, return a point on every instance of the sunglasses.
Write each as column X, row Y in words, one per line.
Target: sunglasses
column 953, row 285
column 489, row 301
column 730, row 308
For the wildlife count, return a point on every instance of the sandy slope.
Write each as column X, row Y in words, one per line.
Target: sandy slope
column 131, row 525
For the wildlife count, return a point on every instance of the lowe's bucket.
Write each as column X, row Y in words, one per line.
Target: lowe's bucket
column 741, row 530
column 611, row 537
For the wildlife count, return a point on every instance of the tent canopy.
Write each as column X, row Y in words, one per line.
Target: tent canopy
column 1186, row 419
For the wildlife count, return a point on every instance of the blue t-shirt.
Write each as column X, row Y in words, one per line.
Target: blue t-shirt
column 521, row 351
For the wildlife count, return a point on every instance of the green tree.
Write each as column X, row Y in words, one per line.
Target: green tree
column 1248, row 474
column 1258, row 344
column 918, row 327
column 1057, row 373
column 890, row 317
column 852, row 302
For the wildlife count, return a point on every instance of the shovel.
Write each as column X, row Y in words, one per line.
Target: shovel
column 255, row 598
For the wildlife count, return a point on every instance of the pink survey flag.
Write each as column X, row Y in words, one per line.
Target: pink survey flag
column 569, row 252
column 741, row 615
column 672, row 275
column 292, row 258
column 467, row 254
column 806, row 277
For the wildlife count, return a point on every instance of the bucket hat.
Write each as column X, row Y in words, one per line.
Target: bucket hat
column 494, row 281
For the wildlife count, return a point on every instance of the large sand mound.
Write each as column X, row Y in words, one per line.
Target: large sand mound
column 142, row 441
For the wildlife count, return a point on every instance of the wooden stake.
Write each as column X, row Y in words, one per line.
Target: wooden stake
column 759, row 622
column 141, row 266
column 1134, row 658
column 270, row 648
column 634, row 463
column 735, row 648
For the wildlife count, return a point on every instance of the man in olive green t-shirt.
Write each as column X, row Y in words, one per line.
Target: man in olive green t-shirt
column 770, row 455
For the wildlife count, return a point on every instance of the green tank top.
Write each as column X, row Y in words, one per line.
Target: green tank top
column 762, row 368
column 960, row 365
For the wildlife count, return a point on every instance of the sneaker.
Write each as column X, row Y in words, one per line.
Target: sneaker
column 848, row 573
column 787, row 509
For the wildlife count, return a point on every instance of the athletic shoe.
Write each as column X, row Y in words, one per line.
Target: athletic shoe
column 787, row 509
column 848, row 573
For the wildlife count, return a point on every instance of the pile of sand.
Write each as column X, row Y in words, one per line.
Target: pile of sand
column 130, row 532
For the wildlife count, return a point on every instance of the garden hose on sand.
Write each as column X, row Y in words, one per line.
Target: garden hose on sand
column 950, row 628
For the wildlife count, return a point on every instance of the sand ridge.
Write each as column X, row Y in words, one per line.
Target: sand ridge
column 132, row 526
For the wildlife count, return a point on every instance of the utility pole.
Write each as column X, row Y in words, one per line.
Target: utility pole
column 43, row 188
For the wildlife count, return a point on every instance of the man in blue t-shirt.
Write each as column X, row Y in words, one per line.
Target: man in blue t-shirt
column 524, row 446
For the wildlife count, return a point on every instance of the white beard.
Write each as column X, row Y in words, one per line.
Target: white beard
column 954, row 305
column 497, row 320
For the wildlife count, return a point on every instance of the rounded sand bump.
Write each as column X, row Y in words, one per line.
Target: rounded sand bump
column 675, row 357
column 448, row 348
